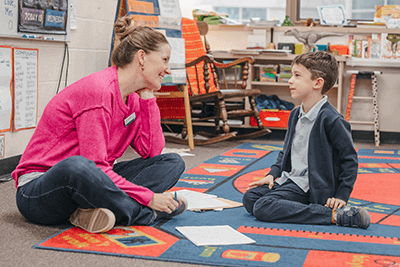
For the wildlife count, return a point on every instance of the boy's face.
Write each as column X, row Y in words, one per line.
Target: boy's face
column 301, row 85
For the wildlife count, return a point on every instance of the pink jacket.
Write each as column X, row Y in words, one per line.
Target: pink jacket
column 87, row 119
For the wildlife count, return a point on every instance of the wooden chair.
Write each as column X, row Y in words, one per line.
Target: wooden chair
column 210, row 84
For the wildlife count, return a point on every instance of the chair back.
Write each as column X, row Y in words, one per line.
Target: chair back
column 200, row 76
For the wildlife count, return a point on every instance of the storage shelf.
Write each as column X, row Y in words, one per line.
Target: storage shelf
column 210, row 124
column 278, row 84
column 338, row 29
column 270, row 83
column 344, row 30
column 373, row 62
column 275, row 87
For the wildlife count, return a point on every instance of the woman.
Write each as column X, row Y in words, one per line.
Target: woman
column 67, row 170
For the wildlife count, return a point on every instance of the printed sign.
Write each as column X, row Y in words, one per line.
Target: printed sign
column 55, row 18
column 43, row 16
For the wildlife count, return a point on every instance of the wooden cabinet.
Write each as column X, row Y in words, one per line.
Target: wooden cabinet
column 281, row 89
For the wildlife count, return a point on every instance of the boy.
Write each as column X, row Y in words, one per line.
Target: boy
column 317, row 168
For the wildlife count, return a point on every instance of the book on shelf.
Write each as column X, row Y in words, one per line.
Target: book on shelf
column 371, row 24
column 252, row 51
column 390, row 49
column 365, row 46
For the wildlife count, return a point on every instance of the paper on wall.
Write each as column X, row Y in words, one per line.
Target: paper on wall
column 5, row 90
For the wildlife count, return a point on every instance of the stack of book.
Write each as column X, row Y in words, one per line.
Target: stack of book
column 369, row 24
column 374, row 46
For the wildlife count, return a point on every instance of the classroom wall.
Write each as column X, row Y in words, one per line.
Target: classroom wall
column 89, row 50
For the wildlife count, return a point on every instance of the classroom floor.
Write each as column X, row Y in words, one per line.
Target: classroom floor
column 17, row 235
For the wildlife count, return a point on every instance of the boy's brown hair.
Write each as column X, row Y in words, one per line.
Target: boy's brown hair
column 321, row 65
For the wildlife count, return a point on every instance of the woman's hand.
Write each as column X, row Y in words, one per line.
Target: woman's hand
column 335, row 203
column 269, row 179
column 145, row 93
column 163, row 202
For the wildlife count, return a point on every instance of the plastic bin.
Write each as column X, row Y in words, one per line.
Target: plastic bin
column 285, row 68
column 230, row 73
column 283, row 77
column 267, row 72
column 272, row 118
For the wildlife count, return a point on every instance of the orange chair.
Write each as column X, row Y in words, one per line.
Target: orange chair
column 210, row 84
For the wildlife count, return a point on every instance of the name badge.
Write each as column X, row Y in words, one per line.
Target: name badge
column 130, row 119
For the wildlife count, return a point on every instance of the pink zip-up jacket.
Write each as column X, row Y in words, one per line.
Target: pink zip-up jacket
column 87, row 119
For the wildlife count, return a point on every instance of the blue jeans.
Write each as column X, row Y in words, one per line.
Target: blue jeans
column 286, row 203
column 77, row 182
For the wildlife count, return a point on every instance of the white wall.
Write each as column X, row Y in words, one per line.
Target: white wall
column 89, row 49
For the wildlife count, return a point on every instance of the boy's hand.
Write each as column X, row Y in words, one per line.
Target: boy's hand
column 269, row 179
column 335, row 203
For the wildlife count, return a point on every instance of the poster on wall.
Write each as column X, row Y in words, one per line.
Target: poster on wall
column 165, row 16
column 5, row 88
column 25, row 88
column 43, row 16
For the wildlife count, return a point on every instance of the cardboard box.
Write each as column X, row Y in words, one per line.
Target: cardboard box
column 272, row 118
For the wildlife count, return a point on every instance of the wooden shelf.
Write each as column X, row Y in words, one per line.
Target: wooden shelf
column 277, row 84
column 339, row 29
column 275, row 87
column 263, row 56
column 211, row 124
column 373, row 62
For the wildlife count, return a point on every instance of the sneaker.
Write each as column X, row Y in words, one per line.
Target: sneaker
column 353, row 217
column 93, row 220
column 160, row 215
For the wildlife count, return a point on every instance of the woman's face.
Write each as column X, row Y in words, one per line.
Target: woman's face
column 156, row 67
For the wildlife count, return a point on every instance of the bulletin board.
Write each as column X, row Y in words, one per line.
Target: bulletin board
column 25, row 88
column 6, row 78
column 37, row 20
column 165, row 16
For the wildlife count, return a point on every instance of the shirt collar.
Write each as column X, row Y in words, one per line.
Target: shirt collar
column 312, row 114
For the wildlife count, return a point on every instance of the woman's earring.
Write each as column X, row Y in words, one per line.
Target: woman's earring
column 142, row 66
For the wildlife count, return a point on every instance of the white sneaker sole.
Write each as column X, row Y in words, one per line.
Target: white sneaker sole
column 93, row 220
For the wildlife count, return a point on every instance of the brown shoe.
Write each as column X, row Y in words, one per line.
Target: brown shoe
column 93, row 220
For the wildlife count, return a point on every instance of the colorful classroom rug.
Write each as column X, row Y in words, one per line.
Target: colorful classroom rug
column 277, row 244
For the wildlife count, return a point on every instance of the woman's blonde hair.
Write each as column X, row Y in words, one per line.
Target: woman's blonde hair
column 133, row 38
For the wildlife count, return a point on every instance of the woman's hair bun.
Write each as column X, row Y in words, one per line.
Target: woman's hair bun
column 123, row 27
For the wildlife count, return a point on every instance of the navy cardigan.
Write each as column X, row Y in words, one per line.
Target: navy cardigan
column 332, row 159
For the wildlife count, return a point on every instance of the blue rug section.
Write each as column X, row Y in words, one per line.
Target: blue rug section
column 231, row 160
column 199, row 181
column 286, row 245
column 235, row 255
column 279, row 244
